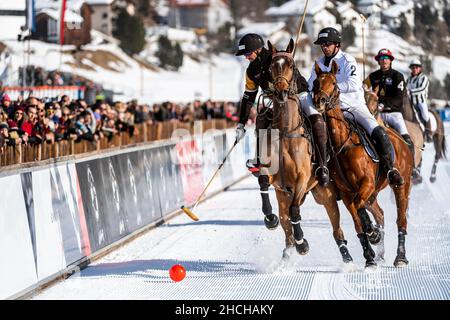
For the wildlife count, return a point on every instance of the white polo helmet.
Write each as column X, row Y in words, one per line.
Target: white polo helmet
column 415, row 62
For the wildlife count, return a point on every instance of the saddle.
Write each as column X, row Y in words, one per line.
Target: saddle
column 365, row 140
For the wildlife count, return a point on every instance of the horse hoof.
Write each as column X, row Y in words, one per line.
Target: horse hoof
column 302, row 248
column 271, row 221
column 287, row 253
column 371, row 264
column 400, row 262
column 375, row 237
column 432, row 178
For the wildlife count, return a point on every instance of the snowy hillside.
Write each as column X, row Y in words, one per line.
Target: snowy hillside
column 108, row 65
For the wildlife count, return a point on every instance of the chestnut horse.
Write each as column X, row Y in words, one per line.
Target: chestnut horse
column 357, row 176
column 294, row 177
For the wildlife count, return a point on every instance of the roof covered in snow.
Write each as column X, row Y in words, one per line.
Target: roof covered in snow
column 74, row 5
column 264, row 29
column 99, row 2
column 296, row 7
column 69, row 16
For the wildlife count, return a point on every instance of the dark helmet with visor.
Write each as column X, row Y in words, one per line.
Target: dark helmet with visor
column 328, row 35
column 249, row 43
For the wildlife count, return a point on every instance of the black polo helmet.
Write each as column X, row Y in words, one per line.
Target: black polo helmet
column 328, row 35
column 249, row 43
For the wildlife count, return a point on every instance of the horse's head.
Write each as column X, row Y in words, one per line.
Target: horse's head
column 325, row 88
column 282, row 69
column 371, row 97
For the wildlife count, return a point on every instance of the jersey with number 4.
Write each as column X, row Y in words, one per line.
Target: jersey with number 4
column 391, row 88
column 348, row 80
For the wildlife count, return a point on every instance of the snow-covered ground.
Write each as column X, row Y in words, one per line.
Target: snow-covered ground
column 229, row 254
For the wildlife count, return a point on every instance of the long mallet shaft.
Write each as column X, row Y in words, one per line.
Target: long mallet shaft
column 188, row 211
column 363, row 18
column 299, row 28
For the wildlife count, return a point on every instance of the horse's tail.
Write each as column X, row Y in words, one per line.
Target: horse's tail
column 443, row 154
column 440, row 141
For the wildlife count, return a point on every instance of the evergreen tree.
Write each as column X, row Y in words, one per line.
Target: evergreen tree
column 130, row 31
column 349, row 35
column 447, row 85
column 170, row 56
column 436, row 90
column 403, row 30
column 178, row 56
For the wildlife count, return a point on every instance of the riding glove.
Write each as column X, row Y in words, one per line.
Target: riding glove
column 240, row 132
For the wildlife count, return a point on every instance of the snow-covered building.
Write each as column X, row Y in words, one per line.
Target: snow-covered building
column 102, row 14
column 199, row 14
column 317, row 15
column 77, row 20
column 13, row 17
column 349, row 15
column 394, row 14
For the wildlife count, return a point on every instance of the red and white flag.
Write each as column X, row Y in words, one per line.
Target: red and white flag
column 61, row 24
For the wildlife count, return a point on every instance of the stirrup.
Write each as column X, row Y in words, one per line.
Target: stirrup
column 253, row 168
column 395, row 178
column 324, row 178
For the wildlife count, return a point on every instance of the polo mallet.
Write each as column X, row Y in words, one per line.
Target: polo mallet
column 300, row 27
column 364, row 51
column 188, row 211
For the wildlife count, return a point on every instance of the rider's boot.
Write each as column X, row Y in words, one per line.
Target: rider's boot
column 386, row 151
column 319, row 130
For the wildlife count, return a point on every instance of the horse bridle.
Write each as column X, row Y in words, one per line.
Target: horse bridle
column 281, row 76
column 330, row 100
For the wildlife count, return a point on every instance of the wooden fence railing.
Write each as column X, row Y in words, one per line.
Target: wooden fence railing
column 10, row 155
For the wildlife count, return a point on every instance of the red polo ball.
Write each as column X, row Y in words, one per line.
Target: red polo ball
column 177, row 272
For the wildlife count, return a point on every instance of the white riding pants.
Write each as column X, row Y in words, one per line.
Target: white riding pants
column 396, row 121
column 422, row 107
column 362, row 116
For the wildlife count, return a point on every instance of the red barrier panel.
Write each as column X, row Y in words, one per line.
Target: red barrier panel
column 74, row 92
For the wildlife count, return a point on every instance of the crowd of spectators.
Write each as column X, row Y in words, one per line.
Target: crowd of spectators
column 35, row 121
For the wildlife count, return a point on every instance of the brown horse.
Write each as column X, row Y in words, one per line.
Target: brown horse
column 294, row 177
column 357, row 176
column 438, row 135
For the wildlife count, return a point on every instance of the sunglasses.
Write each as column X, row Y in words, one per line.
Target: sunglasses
column 326, row 44
column 248, row 54
column 384, row 58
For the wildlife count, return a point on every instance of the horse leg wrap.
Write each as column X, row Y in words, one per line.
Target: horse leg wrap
column 368, row 253
column 365, row 220
column 264, row 189
column 342, row 245
column 294, row 215
column 401, row 251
